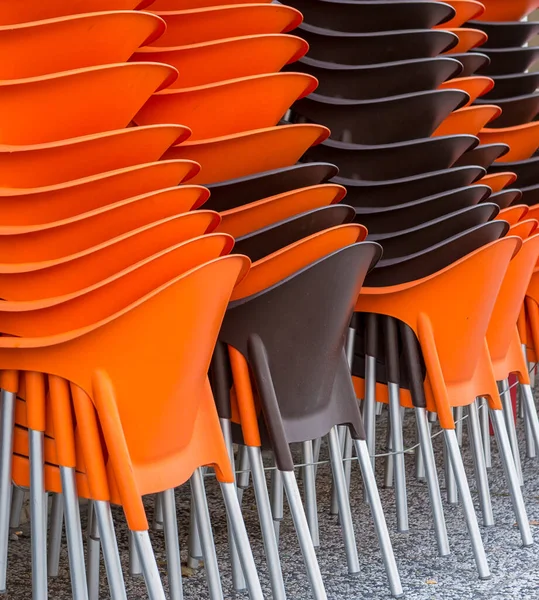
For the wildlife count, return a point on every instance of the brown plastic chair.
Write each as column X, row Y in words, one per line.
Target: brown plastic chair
column 505, row 198
column 57, row 162
column 522, row 140
column 198, row 25
column 49, row 108
column 470, row 120
column 228, row 58
column 466, row 10
column 516, row 110
column 228, row 107
column 468, row 39
column 87, row 40
column 243, row 154
column 525, row 170
column 472, row 62
column 499, row 10
column 483, row 155
column 504, row 61
column 519, row 84
column 507, row 34
column 474, row 86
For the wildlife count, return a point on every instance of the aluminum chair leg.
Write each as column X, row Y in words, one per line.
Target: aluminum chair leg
column 344, row 503
column 450, row 482
column 528, row 428
column 304, row 536
column 531, row 412
column 154, row 585
column 481, row 476
column 309, row 486
column 515, row 491
column 266, row 522
column 157, row 521
column 398, row 446
column 347, row 460
column 507, row 403
column 111, row 555
column 172, row 545
column 334, row 507
column 55, row 535
column 419, row 464
column 93, row 545
column 17, row 502
column 6, row 451
column 485, row 430
column 242, row 480
column 194, row 554
column 38, row 516
column 277, row 492
column 389, row 467
column 459, row 415
column 206, row 536
column 369, row 405
column 379, row 519
column 317, row 445
column 242, row 541
column 453, row 452
column 431, row 474
column 135, row 568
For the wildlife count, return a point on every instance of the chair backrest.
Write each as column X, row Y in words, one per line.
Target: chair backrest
column 497, row 181
column 521, row 139
column 465, row 11
column 384, row 120
column 265, row 241
column 507, row 35
column 483, row 155
column 237, row 192
column 515, row 213
column 504, row 61
column 474, row 86
column 524, row 229
column 171, row 5
column 515, row 111
column 468, row 38
column 435, row 258
column 390, row 161
column 472, row 62
column 468, row 120
column 505, row 198
column 530, row 195
column 403, row 216
column 517, row 84
column 525, row 170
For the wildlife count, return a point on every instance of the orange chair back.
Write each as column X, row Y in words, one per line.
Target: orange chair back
column 523, row 140
column 468, row 120
column 468, row 39
column 524, row 229
column 513, row 214
column 497, row 181
column 466, row 10
column 172, row 5
column 474, row 86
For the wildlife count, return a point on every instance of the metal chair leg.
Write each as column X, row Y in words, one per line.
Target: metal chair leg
column 334, row 507
column 531, row 412
column 6, row 451
column 485, row 431
column 347, row 454
column 93, row 552
column 369, row 405
column 398, row 446
column 154, row 585
column 266, row 522
column 515, row 492
column 55, row 535
column 38, row 516
column 194, row 554
column 135, row 568
column 481, row 476
column 450, row 482
column 317, row 445
column 242, row 480
column 459, row 414
column 311, row 505
column 389, row 467
column 172, row 545
column 379, row 520
column 276, row 498
column 17, row 502
column 157, row 521
column 467, row 503
column 507, row 403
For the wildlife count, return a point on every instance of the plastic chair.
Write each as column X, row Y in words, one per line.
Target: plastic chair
column 391, row 161
column 505, row 198
column 468, row 39
column 229, row 107
column 406, row 189
column 229, row 58
column 24, row 11
column 504, row 61
column 483, row 155
column 498, row 10
column 172, row 5
column 36, row 206
column 365, row 17
column 519, row 84
column 466, row 10
column 89, row 40
column 384, row 120
column 198, row 25
column 513, row 214
column 238, row 192
column 57, row 162
column 48, row 108
column 530, row 195
column 474, row 86
column 507, row 35
column 247, row 152
column 516, row 110
column 470, row 120
column 374, row 48
column 497, row 181
column 256, row 215
column 525, row 170
column 521, row 139
column 471, row 62
column 366, row 82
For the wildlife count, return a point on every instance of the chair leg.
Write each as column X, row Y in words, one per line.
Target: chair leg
column 38, row 516
column 531, row 441
column 276, row 499
column 419, row 464
column 157, row 521
column 453, row 452
column 528, row 431
column 450, row 482
column 507, row 403
column 369, row 405
column 17, row 502
column 111, row 554
column 266, row 522
column 459, row 414
column 481, row 476
column 194, row 554
column 172, row 545
column 530, row 412
column 93, row 551
column 55, row 535
column 242, row 541
column 334, row 507
column 206, row 536
column 389, row 467
column 379, row 519
column 431, row 475
column 347, row 460
column 242, row 480
column 398, row 446
column 344, row 503
column 135, row 568
column 154, row 585
column 304, row 536
column 311, row 506
column 502, row 439
column 485, row 431
column 75, row 548
column 317, row 445
column 6, row 451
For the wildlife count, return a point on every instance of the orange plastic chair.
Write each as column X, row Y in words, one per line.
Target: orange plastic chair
column 57, row 162
column 75, row 42
column 466, row 10
column 228, row 107
column 213, row 23
column 50, row 108
column 468, row 39
column 24, row 11
column 171, row 5
column 36, row 206
column 497, row 181
column 474, row 86
column 468, row 120
column 229, row 58
column 524, row 229
column 500, row 10
column 246, row 153
column 523, row 140
column 513, row 214
column 256, row 215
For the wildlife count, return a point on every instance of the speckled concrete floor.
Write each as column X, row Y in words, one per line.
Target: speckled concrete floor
column 515, row 570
